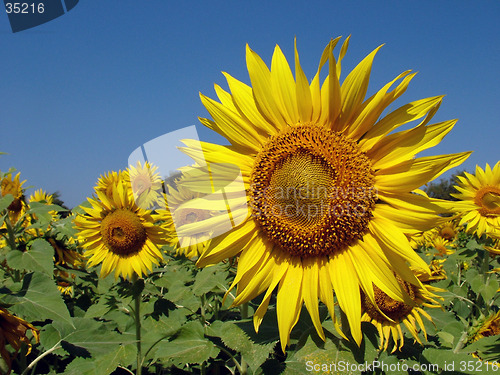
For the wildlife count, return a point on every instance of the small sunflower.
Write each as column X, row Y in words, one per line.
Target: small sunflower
column 40, row 196
column 449, row 230
column 108, row 180
column 329, row 186
column 13, row 331
column 480, row 196
column 387, row 314
column 13, row 186
column 443, row 247
column 119, row 234
column 146, row 185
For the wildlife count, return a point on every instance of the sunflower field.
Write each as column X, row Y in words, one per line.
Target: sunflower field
column 306, row 245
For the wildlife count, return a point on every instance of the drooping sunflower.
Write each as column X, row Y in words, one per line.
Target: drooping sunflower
column 13, row 331
column 480, row 196
column 329, row 186
column 146, row 185
column 489, row 327
column 387, row 314
column 119, row 234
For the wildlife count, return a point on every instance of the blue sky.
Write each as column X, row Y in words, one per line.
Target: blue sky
column 80, row 93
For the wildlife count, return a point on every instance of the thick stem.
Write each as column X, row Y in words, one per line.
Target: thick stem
column 244, row 310
column 461, row 342
column 11, row 239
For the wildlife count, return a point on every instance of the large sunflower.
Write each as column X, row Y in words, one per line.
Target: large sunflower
column 329, row 189
column 119, row 234
column 480, row 196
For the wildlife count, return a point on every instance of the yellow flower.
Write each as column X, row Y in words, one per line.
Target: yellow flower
column 480, row 195
column 39, row 196
column 442, row 246
column 329, row 185
column 119, row 234
column 146, row 185
column 387, row 314
column 448, row 230
column 8, row 185
column 106, row 182
column 13, row 331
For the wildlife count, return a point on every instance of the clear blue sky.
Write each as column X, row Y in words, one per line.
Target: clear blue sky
column 80, row 93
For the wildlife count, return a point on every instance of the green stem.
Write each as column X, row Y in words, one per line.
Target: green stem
column 11, row 239
column 232, row 357
column 244, row 310
column 461, row 342
column 41, row 356
column 486, row 266
column 137, row 315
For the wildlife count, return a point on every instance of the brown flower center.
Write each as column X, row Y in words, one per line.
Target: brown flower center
column 447, row 233
column 123, row 232
column 493, row 328
column 395, row 310
column 488, row 198
column 312, row 191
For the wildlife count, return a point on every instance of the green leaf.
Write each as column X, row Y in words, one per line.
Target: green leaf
column 209, row 279
column 65, row 228
column 449, row 362
column 316, row 356
column 40, row 299
column 6, row 201
column 97, row 310
column 190, row 346
column 95, row 337
column 155, row 331
column 236, row 339
column 489, row 289
column 103, row 364
column 476, row 283
column 39, row 257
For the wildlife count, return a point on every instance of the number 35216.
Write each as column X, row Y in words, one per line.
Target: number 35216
column 24, row 8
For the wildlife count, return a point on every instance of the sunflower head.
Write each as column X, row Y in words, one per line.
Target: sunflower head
column 329, row 185
column 13, row 186
column 387, row 314
column 116, row 232
column 480, row 196
column 489, row 326
column 108, row 180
